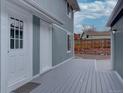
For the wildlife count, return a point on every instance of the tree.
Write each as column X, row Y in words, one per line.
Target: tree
column 86, row 28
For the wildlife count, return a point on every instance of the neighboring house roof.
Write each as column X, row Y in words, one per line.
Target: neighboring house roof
column 74, row 4
column 95, row 33
column 116, row 14
column 92, row 35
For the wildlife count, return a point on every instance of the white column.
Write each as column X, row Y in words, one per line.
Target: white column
column 112, row 49
column 3, row 47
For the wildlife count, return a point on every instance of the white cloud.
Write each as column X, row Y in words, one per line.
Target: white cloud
column 78, row 28
column 94, row 10
column 79, row 25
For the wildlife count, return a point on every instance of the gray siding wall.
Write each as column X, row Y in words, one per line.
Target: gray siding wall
column 59, row 46
column 118, row 47
column 57, row 9
column 36, row 45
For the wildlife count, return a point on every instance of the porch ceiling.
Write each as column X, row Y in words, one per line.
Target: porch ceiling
column 116, row 14
column 78, row 76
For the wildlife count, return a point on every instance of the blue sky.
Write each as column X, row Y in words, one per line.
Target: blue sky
column 93, row 13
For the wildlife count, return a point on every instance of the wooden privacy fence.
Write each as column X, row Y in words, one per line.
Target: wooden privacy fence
column 93, row 47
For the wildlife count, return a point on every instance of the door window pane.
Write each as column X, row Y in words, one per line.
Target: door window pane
column 17, row 33
column 17, row 44
column 12, row 22
column 11, row 43
column 21, row 43
column 21, row 24
column 12, row 33
column 17, row 23
column 21, row 34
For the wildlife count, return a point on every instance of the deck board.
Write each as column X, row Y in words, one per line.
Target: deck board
column 94, row 87
column 78, row 76
column 103, row 84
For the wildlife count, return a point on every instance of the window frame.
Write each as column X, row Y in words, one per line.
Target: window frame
column 69, row 43
column 17, row 36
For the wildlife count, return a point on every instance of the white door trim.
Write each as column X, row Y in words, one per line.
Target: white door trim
column 50, row 29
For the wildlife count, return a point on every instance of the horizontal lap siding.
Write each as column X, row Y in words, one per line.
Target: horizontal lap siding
column 59, row 46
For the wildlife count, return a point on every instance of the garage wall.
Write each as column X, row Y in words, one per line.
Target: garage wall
column 59, row 46
column 36, row 45
column 118, row 47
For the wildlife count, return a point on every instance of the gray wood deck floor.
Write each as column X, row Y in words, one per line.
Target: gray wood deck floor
column 78, row 76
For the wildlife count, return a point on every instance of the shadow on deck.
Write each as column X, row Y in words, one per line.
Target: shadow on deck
column 78, row 76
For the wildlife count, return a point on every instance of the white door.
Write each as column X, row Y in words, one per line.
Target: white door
column 45, row 46
column 17, row 66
